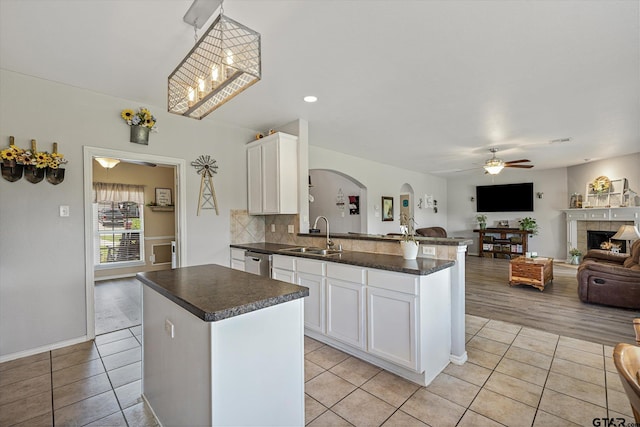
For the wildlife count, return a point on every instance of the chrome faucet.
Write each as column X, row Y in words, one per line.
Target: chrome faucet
column 315, row 225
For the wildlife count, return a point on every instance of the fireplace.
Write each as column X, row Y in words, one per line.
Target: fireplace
column 596, row 238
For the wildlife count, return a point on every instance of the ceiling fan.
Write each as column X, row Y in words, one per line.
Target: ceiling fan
column 494, row 165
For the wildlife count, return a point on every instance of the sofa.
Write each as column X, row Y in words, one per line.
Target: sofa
column 610, row 279
column 431, row 232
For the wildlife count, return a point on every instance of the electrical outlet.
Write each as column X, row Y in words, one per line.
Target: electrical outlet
column 152, row 258
column 290, row 229
column 429, row 250
column 273, row 228
column 169, row 328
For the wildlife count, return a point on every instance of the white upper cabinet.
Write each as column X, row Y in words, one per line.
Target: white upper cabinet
column 272, row 175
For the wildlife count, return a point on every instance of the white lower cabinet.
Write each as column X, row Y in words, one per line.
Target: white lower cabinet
column 283, row 268
column 400, row 322
column 392, row 322
column 237, row 259
column 284, row 275
column 314, row 318
column 345, row 312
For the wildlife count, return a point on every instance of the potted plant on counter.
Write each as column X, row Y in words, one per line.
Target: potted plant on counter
column 529, row 224
column 482, row 221
column 409, row 244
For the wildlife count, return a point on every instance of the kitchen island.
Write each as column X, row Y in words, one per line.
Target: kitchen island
column 222, row 347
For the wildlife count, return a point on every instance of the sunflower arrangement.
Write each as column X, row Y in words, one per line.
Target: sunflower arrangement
column 13, row 153
column 142, row 117
column 32, row 157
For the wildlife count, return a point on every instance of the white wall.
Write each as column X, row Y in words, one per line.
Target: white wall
column 42, row 288
column 550, row 240
column 614, row 168
column 384, row 180
column 326, row 185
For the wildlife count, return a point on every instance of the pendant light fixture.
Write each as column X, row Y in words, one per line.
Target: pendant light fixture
column 107, row 162
column 223, row 63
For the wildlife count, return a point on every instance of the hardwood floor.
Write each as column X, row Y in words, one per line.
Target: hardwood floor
column 558, row 309
column 118, row 304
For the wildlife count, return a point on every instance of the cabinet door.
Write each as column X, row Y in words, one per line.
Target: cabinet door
column 391, row 326
column 254, row 179
column 284, row 275
column 270, row 180
column 314, row 317
column 237, row 264
column 345, row 312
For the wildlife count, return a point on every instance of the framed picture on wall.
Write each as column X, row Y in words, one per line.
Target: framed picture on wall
column 387, row 208
column 163, row 196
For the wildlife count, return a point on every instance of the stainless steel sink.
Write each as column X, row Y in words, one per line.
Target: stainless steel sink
column 311, row 250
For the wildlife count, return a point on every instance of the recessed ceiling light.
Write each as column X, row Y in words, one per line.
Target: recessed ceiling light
column 310, row 98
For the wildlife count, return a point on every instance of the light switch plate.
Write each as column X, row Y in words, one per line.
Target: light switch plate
column 64, row 210
column 290, row 229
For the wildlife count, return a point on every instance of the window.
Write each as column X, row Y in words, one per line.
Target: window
column 118, row 224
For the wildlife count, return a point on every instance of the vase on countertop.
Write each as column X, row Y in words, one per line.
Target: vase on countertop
column 409, row 249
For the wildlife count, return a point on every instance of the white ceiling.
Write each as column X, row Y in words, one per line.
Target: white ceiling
column 426, row 85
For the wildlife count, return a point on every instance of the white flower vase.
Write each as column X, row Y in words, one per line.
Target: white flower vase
column 409, row 249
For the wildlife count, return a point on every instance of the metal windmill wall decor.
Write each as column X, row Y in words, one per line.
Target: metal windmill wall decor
column 206, row 167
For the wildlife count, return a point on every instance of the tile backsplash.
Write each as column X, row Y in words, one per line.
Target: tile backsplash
column 246, row 228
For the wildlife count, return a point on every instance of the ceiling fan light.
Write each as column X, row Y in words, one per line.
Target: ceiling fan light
column 494, row 166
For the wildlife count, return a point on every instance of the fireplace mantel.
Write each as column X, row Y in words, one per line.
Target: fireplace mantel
column 604, row 214
column 573, row 216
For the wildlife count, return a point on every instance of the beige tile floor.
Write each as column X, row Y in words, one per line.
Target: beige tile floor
column 515, row 376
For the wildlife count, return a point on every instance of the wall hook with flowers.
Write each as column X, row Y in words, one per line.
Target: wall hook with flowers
column 32, row 163
column 141, row 122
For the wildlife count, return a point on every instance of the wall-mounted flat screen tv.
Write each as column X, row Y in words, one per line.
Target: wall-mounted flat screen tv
column 505, row 197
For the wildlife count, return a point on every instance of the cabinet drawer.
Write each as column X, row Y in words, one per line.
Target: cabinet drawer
column 237, row 254
column 346, row 272
column 310, row 266
column 284, row 262
column 407, row 283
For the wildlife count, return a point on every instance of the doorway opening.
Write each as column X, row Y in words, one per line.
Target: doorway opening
column 127, row 230
column 339, row 197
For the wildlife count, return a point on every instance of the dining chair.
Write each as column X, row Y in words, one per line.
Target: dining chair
column 626, row 358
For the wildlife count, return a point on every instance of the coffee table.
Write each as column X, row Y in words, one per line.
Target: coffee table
column 537, row 272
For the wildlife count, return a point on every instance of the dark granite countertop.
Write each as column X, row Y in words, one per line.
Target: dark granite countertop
column 419, row 266
column 213, row 292
column 444, row 241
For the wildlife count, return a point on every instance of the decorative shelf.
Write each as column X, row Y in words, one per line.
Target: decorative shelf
column 162, row 208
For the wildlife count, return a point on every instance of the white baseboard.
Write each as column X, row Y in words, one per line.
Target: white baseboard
column 42, row 349
column 116, row 276
column 458, row 360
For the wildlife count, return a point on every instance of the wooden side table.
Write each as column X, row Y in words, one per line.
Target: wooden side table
column 537, row 272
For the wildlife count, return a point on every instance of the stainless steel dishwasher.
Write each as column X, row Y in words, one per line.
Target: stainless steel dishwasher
column 257, row 263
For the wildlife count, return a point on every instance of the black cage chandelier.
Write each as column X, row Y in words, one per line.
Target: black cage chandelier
column 223, row 63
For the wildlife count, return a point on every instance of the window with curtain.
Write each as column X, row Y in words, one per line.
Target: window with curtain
column 118, row 224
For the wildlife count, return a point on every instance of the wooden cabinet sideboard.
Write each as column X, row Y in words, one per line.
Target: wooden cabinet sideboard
column 502, row 242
